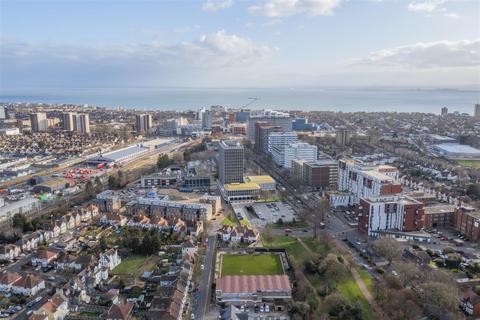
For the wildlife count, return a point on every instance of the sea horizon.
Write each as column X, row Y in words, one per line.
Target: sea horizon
column 334, row 98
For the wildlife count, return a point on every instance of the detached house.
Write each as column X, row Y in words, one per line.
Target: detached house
column 110, row 259
column 44, row 258
column 55, row 308
column 7, row 279
column 28, row 285
column 120, row 311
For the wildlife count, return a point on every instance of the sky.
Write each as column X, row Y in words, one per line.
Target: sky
column 233, row 43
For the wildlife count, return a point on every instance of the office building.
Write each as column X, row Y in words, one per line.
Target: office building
column 3, row 112
column 230, row 162
column 284, row 155
column 361, row 180
column 320, row 174
column 281, row 139
column 399, row 213
column 82, row 123
column 274, row 118
column 206, row 119
column 39, row 122
column 262, row 131
column 476, row 112
column 143, row 122
column 242, row 116
column 444, row 111
column 69, row 121
column 341, row 136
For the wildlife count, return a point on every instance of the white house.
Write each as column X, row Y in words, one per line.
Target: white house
column 28, row 285
column 44, row 258
column 9, row 252
column 7, row 279
column 110, row 259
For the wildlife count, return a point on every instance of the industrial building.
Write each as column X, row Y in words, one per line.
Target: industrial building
column 457, row 151
column 119, row 156
column 51, row 185
column 398, row 213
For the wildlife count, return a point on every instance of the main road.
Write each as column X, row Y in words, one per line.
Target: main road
column 201, row 307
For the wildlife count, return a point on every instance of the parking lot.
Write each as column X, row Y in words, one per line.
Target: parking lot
column 260, row 214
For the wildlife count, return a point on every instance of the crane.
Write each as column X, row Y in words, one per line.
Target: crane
column 252, row 100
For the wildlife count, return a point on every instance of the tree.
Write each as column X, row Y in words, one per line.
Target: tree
column 90, row 190
column 318, row 215
column 388, row 248
column 98, row 185
column 440, row 299
column 332, row 268
column 19, row 220
column 163, row 161
column 112, row 182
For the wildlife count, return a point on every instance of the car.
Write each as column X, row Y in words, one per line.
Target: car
column 37, row 299
column 192, row 316
column 242, row 308
column 395, row 273
column 267, row 308
column 261, row 309
column 202, row 267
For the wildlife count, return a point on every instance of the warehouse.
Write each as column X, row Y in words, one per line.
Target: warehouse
column 119, row 156
column 457, row 151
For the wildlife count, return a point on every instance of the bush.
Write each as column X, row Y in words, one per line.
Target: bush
column 380, row 270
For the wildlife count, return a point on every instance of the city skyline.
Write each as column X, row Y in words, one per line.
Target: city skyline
column 52, row 44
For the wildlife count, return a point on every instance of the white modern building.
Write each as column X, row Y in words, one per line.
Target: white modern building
column 272, row 117
column 281, row 139
column 363, row 180
column 284, row 155
column 39, row 122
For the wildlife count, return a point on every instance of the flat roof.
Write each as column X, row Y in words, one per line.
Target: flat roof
column 241, row 186
column 378, row 175
column 253, row 284
column 260, row 179
column 121, row 153
column 457, row 148
column 439, row 209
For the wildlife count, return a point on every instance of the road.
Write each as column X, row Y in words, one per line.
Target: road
column 205, row 286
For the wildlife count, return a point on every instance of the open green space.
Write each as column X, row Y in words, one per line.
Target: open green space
column 228, row 222
column 249, row 264
column 135, row 265
column 349, row 290
column 469, row 163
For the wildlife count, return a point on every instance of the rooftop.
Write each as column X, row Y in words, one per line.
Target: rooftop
column 259, row 179
column 439, row 209
column 241, row 186
column 457, row 148
column 253, row 284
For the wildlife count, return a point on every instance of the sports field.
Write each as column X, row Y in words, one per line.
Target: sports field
column 469, row 163
column 248, row 264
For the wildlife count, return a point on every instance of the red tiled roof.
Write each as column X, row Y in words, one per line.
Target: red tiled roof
column 45, row 254
column 7, row 277
column 249, row 284
column 120, row 311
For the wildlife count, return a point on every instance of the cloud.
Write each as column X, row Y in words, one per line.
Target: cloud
column 284, row 8
column 119, row 63
column 425, row 55
column 215, row 5
column 428, row 6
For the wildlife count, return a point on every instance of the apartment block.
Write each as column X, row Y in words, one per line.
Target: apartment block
column 399, row 213
column 284, row 155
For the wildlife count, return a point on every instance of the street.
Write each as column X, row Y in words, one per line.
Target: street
column 203, row 300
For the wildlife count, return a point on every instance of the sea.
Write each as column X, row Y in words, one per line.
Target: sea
column 369, row 99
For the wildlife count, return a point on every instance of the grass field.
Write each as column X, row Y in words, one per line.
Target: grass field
column 246, row 264
column 135, row 265
column 228, row 222
column 469, row 163
column 348, row 289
